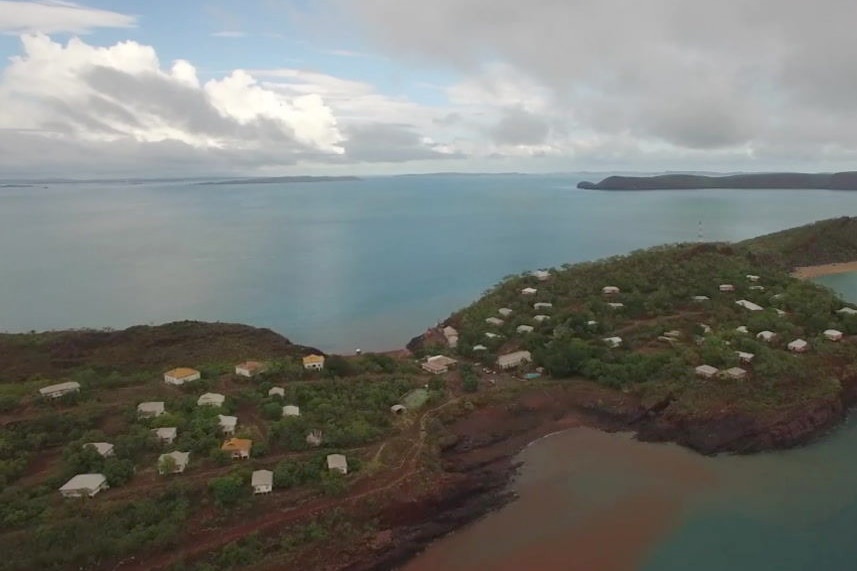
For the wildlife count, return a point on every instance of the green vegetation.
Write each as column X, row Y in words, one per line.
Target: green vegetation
column 824, row 242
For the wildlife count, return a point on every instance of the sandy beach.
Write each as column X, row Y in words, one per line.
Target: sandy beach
column 809, row 272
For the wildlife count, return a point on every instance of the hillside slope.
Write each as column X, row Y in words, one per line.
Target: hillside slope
column 823, row 242
column 826, row 181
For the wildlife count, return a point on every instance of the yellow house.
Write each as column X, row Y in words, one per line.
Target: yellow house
column 314, row 362
column 238, row 448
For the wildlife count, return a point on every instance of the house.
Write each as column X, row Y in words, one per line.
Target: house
column 706, row 371
column 84, row 485
column 179, row 460
column 847, row 311
column 749, row 305
column 315, row 438
column 541, row 275
column 480, row 348
column 211, row 399
column 524, row 329
column 798, row 346
column 752, row 278
column 833, row 334
column 610, row 290
column 613, row 342
column 227, row 423
column 438, row 364
column 490, row 335
column 734, row 373
column 337, row 462
column 58, row 390
column 591, row 323
column 700, row 298
column 757, row 288
column 529, row 291
column 150, row 409
column 166, row 434
column 238, row 448
column 726, row 287
column 398, row 409
column 291, row 410
column 742, row 329
column 249, row 369
column 262, row 481
column 103, row 448
column 541, row 318
column 512, row 360
column 451, row 336
column 181, row 376
column 615, row 305
column 745, row 357
column 542, row 305
column 766, row 336
column 276, row 391
column 314, row 362
column 494, row 321
column 504, row 311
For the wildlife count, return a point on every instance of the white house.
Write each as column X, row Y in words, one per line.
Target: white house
column 511, row 360
column 451, row 335
column 249, row 369
column 541, row 318
column 150, row 409
column 276, row 391
column 480, row 348
column 541, row 275
column 291, row 410
column 613, row 341
column 616, row 305
column 524, row 329
column 726, row 287
column 529, row 291
column 211, row 399
column 700, row 298
column 752, row 278
column 490, row 335
column 398, row 409
column 749, row 305
column 313, row 362
column 745, row 357
column 735, row 373
column 84, row 485
column 166, row 434
column 798, row 346
column 438, row 364
column 610, row 290
column 504, row 311
column 103, row 448
column 542, row 305
column 181, row 376
column 833, row 334
column 60, row 389
column 766, row 336
column 262, row 481
column 742, row 329
column 591, row 323
column 757, row 288
column 494, row 321
column 847, row 311
column 706, row 371
column 180, row 461
column 337, row 462
column 227, row 423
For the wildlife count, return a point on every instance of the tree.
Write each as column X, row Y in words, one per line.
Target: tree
column 228, row 491
column 118, row 471
column 470, row 383
column 167, row 465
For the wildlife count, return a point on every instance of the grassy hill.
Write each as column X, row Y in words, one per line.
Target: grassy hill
column 823, row 242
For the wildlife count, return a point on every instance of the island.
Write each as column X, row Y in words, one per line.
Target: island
column 198, row 446
column 279, row 180
column 828, row 181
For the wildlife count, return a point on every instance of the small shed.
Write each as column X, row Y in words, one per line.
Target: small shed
column 504, row 311
column 613, row 341
column 542, row 305
column 752, row 278
column 745, row 357
column 798, row 346
column 726, row 288
column 398, row 409
column 180, row 460
column 337, row 462
column 833, row 335
column 313, row 362
column 706, row 371
column 150, row 409
column 524, row 329
column 749, row 305
column 742, row 329
column 541, row 318
column 181, row 375
column 84, row 485
column 480, row 348
column 591, row 323
column 494, row 321
column 166, row 434
column 529, row 291
column 211, row 399
column 238, row 448
column 541, row 275
column 847, row 311
column 103, row 448
column 276, row 392
column 490, row 335
column 291, row 410
column 610, row 290
column 757, row 288
column 766, row 336
column 700, row 298
column 262, row 481
column 616, row 305
column 227, row 423
column 249, row 368
column 734, row 373
column 60, row 389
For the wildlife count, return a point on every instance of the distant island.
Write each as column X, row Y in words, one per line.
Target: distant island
column 820, row 181
column 279, row 179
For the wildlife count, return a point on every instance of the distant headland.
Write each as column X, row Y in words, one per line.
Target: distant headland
column 280, row 179
column 820, row 181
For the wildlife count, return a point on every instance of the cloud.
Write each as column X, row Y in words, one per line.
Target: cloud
column 379, row 142
column 767, row 79
column 49, row 17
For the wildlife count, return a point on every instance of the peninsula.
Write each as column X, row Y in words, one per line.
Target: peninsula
column 200, row 446
column 828, row 181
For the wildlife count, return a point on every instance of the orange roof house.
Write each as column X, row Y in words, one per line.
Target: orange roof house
column 314, row 362
column 238, row 448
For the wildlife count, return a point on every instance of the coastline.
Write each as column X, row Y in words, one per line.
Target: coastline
column 810, row 272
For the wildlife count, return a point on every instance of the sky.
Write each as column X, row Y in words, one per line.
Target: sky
column 108, row 88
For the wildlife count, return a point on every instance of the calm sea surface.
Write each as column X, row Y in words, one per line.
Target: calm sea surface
column 371, row 263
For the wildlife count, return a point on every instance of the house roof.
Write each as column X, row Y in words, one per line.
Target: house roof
column 166, row 432
column 529, row 290
column 441, row 360
column 766, row 334
column 151, row 406
column 494, row 321
column 524, row 328
column 610, row 289
column 277, row 391
column 735, row 372
column 613, row 340
column 744, row 355
column 542, row 304
column 102, row 447
column 66, row 386
column 84, row 482
column 480, row 348
column 504, row 311
column 515, row 357
column 700, row 298
column 181, row 372
column 798, row 343
column 450, row 331
column 291, row 410
column 237, row 445
column 541, row 318
column 181, row 458
column 250, row 365
column 337, row 461
column 227, row 421
column 847, row 311
column 313, row 359
column 706, row 370
column 834, row 332
column 749, row 305
column 262, row 478
column 398, row 407
column 211, row 398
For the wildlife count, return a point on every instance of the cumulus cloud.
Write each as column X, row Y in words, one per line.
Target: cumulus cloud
column 769, row 79
column 52, row 16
